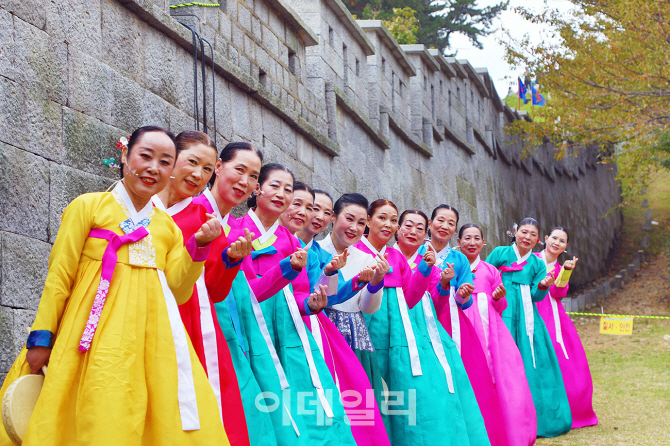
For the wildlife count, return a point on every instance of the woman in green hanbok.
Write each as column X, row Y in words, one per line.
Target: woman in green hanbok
column 525, row 278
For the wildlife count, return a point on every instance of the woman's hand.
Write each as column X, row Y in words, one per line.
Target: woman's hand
column 366, row 274
column 381, row 269
column 548, row 281
column 318, row 300
column 499, row 292
column 209, row 230
column 299, row 259
column 37, row 357
column 570, row 264
column 466, row 290
column 242, row 247
column 446, row 275
column 337, row 263
column 429, row 256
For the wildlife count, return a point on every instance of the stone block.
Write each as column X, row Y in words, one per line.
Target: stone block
column 636, row 263
column 624, row 276
column 161, row 72
column 127, row 103
column 581, row 302
column 24, row 193
column 631, row 270
column 640, row 255
column 90, row 86
column 29, row 121
column 33, row 59
column 244, row 17
column 599, row 295
column 24, row 270
column 607, row 288
column 79, row 22
column 86, row 141
column 156, row 111
column 647, row 214
column 225, row 26
column 33, row 12
column 617, row 282
column 645, row 242
column 567, row 304
column 240, row 117
column 645, row 203
column 22, row 319
column 7, row 356
column 66, row 185
column 647, row 225
column 121, row 45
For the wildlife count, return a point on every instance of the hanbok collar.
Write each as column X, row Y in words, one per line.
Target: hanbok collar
column 135, row 216
column 367, row 243
column 550, row 266
column 412, row 259
column 475, row 264
column 441, row 256
column 215, row 207
column 175, row 208
column 309, row 245
column 520, row 259
column 265, row 235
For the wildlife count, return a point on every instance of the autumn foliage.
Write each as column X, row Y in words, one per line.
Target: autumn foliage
column 606, row 69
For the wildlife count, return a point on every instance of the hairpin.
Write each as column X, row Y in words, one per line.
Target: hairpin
column 111, row 163
column 122, row 143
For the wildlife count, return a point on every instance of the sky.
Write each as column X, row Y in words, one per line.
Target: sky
column 492, row 56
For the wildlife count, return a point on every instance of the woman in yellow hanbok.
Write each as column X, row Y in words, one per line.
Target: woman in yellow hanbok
column 121, row 369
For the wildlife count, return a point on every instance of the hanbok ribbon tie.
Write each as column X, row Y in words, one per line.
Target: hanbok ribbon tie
column 409, row 333
column 268, row 250
column 516, row 266
column 455, row 321
column 263, row 327
column 109, row 259
column 302, row 334
column 527, row 300
column 435, row 339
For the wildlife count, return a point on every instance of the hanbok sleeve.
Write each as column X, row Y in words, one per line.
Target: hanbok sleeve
column 496, row 258
column 184, row 265
column 272, row 281
column 417, row 284
column 219, row 274
column 560, row 288
column 538, row 293
column 76, row 223
column 463, row 272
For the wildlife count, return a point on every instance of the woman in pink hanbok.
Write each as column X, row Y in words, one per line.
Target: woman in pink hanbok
column 568, row 346
column 502, row 354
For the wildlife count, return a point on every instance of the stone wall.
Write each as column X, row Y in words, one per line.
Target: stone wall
column 337, row 100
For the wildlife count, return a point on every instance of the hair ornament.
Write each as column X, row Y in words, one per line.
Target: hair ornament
column 539, row 241
column 511, row 233
column 122, row 143
column 111, row 163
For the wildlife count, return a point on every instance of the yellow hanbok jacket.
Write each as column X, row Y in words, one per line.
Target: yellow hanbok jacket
column 124, row 390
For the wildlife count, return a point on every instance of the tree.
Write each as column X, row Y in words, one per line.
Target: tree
column 403, row 26
column 606, row 67
column 438, row 19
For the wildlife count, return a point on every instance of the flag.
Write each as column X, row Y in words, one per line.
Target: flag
column 538, row 99
column 522, row 92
